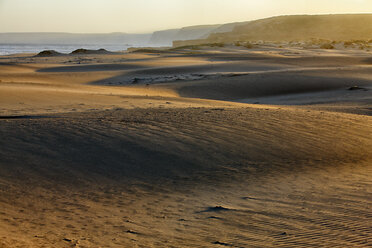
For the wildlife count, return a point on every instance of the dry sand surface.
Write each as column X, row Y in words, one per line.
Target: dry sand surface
column 227, row 147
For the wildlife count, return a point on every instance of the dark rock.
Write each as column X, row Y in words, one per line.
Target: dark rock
column 132, row 232
column 223, row 244
column 357, row 88
column 214, row 217
column 135, row 81
column 217, row 209
column 248, row 198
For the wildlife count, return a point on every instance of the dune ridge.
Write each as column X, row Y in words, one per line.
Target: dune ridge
column 267, row 147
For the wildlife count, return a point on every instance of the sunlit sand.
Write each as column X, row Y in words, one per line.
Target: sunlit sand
column 215, row 147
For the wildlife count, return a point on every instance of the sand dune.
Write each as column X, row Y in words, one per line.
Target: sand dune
column 90, row 159
column 137, row 184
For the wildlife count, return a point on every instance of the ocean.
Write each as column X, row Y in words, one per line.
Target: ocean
column 6, row 49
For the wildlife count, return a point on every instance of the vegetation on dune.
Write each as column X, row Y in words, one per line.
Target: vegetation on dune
column 198, row 47
column 48, row 53
column 86, row 51
column 174, row 49
column 146, row 50
column 287, row 28
column 327, row 46
column 245, row 44
column 312, row 43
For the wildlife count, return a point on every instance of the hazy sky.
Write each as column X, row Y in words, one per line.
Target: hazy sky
column 136, row 16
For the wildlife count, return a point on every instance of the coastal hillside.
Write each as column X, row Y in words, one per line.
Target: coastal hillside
column 342, row 27
column 166, row 37
column 301, row 27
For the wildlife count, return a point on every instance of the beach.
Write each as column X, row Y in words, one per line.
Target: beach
column 207, row 147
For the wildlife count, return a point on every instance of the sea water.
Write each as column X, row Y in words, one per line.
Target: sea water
column 6, row 49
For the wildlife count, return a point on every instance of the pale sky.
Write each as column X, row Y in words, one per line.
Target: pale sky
column 138, row 16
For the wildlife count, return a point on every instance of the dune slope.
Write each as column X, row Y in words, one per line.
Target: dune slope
column 137, row 150
column 247, row 172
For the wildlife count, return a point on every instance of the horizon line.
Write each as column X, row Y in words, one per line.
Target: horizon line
column 175, row 28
